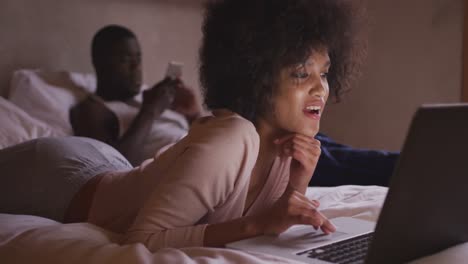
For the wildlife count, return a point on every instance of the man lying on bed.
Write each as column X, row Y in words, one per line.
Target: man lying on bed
column 116, row 115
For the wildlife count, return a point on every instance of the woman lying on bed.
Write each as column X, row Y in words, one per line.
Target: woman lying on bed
column 267, row 67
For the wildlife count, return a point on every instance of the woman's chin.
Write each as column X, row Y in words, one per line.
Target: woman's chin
column 310, row 132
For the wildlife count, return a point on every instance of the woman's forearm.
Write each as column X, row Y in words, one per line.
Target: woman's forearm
column 302, row 188
column 217, row 235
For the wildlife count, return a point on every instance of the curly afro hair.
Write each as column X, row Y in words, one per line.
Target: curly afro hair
column 246, row 43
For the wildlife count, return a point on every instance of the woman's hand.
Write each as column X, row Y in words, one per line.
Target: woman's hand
column 293, row 208
column 305, row 152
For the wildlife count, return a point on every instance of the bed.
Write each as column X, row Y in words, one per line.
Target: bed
column 26, row 114
column 31, row 239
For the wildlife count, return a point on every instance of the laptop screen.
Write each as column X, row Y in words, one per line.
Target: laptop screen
column 425, row 209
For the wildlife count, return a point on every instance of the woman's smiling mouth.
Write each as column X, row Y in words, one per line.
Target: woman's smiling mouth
column 313, row 111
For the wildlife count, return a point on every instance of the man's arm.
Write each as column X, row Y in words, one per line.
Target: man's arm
column 185, row 103
column 133, row 139
column 92, row 119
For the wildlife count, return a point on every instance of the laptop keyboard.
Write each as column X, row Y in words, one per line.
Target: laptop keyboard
column 348, row 251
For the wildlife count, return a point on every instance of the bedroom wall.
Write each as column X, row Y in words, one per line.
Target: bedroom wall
column 414, row 56
column 56, row 34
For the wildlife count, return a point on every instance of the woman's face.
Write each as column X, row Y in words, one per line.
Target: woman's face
column 301, row 94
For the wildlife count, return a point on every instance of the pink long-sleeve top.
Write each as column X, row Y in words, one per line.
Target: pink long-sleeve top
column 201, row 180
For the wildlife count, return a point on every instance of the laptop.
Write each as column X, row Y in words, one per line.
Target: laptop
column 424, row 212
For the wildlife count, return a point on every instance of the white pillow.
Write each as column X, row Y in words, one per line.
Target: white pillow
column 48, row 95
column 17, row 126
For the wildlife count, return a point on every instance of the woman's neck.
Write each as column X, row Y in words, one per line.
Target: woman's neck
column 268, row 134
column 261, row 171
column 268, row 150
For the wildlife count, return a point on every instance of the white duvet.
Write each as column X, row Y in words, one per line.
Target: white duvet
column 30, row 239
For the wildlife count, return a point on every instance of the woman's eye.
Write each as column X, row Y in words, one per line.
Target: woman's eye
column 324, row 75
column 300, row 75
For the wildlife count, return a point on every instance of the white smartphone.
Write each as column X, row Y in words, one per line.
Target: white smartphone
column 174, row 69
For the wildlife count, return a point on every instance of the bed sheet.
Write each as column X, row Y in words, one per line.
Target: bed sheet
column 31, row 239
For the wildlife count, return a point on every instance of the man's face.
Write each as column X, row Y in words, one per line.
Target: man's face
column 121, row 69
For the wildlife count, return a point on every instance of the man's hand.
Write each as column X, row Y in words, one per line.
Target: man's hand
column 160, row 96
column 185, row 102
column 305, row 152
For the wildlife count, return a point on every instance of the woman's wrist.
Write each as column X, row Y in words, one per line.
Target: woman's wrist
column 300, row 187
column 255, row 225
column 217, row 235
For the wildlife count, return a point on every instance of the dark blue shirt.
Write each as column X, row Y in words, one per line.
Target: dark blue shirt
column 341, row 165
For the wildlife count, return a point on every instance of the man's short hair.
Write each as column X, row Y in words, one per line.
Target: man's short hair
column 106, row 37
